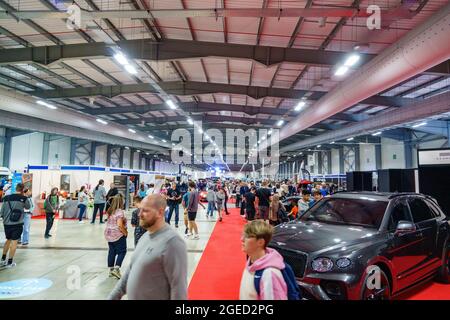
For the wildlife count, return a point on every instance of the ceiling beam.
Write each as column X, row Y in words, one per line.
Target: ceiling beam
column 190, row 88
column 200, row 107
column 442, row 69
column 168, row 50
column 212, row 119
column 418, row 111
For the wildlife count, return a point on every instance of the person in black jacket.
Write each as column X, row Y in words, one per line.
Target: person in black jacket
column 113, row 191
column 51, row 206
column 12, row 213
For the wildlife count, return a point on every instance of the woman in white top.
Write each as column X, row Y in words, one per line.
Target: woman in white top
column 82, row 203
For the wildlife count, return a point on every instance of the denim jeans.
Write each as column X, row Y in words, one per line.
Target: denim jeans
column 117, row 249
column 82, row 208
column 26, row 228
column 175, row 207
column 210, row 208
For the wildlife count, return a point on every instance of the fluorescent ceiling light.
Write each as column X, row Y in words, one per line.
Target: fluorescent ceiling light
column 173, row 144
column 280, row 123
column 419, row 125
column 132, row 131
column 130, row 69
column 163, row 140
column 48, row 105
column 350, row 139
column 300, row 105
column 200, row 131
column 120, row 58
column 189, row 120
column 332, row 142
column 263, row 138
column 270, row 132
column 376, row 133
column 319, row 146
column 354, row 58
column 341, row 71
column 150, row 136
column 138, row 151
column 128, row 148
column 102, row 121
column 171, row 104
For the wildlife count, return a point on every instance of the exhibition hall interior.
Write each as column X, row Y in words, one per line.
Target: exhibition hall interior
column 225, row 150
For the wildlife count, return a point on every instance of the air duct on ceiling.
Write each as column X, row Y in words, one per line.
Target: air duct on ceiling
column 420, row 49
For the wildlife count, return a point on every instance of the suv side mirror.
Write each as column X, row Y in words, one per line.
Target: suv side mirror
column 404, row 226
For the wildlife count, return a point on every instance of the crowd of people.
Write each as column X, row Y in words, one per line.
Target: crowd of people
column 158, row 247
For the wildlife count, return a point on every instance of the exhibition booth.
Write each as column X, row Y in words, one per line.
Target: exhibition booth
column 69, row 179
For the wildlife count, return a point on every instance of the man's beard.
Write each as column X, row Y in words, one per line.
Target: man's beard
column 147, row 224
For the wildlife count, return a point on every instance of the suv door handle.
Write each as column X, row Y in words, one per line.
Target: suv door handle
column 419, row 235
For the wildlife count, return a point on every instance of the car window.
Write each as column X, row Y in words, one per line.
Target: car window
column 419, row 210
column 434, row 208
column 359, row 212
column 399, row 212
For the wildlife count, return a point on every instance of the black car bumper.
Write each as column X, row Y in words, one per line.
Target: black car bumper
column 330, row 286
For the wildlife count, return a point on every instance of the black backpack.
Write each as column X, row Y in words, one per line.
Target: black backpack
column 16, row 214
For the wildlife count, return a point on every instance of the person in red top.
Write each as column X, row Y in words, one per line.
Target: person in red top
column 294, row 211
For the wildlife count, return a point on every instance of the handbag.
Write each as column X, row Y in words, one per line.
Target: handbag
column 16, row 214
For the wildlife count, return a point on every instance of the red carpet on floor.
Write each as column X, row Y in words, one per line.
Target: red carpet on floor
column 218, row 274
column 428, row 291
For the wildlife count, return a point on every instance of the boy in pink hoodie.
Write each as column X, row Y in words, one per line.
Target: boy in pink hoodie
column 257, row 235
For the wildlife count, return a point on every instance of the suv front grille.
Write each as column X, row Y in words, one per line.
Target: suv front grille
column 296, row 260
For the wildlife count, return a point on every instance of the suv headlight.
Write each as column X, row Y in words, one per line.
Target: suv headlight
column 322, row 264
column 343, row 263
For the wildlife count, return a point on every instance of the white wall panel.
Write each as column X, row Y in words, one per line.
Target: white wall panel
column 26, row 149
column 335, row 161
column 59, row 152
column 367, row 157
column 392, row 154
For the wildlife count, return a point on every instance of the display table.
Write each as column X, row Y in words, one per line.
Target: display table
column 70, row 210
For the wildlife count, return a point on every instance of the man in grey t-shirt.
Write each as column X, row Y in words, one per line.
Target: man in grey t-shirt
column 158, row 268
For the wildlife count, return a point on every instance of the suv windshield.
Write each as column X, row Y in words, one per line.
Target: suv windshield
column 359, row 212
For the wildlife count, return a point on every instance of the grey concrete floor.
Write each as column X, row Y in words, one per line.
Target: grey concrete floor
column 82, row 249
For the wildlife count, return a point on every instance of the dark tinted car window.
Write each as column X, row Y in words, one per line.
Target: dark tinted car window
column 434, row 208
column 419, row 210
column 360, row 212
column 399, row 212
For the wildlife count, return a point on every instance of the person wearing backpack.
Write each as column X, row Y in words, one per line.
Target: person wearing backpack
column 266, row 276
column 51, row 206
column 12, row 213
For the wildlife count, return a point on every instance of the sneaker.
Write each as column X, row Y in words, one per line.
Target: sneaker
column 19, row 242
column 92, row 222
column 176, row 226
column 186, row 231
column 47, row 236
column 187, row 236
column 116, row 273
column 25, row 244
column 196, row 237
column 111, row 272
column 101, row 222
column 3, row 263
column 11, row 265
column 81, row 222
column 220, row 219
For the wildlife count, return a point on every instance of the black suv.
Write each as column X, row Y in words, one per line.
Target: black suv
column 366, row 245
